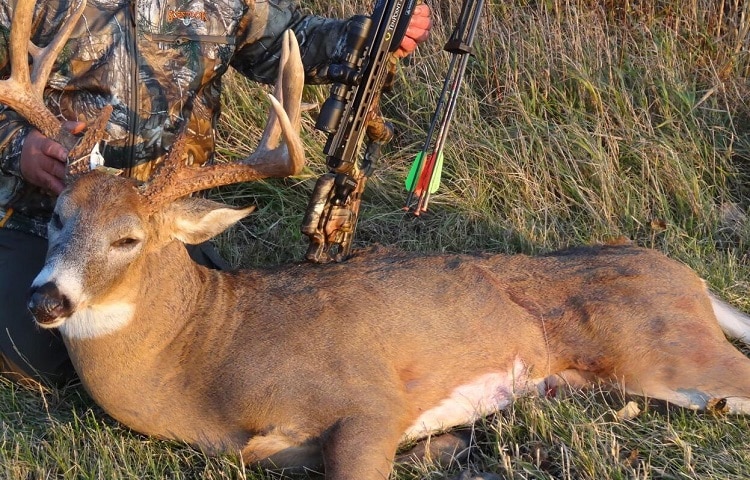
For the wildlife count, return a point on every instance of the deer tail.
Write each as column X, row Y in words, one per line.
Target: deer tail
column 733, row 322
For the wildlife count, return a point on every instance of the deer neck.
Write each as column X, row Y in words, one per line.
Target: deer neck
column 147, row 350
column 159, row 303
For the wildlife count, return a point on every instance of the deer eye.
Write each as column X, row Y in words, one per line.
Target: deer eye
column 125, row 242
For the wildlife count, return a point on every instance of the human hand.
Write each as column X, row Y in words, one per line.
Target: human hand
column 417, row 31
column 43, row 159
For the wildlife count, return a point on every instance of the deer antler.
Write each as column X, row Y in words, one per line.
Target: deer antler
column 272, row 158
column 23, row 90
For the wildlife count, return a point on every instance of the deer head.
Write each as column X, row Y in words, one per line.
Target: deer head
column 131, row 209
column 123, row 221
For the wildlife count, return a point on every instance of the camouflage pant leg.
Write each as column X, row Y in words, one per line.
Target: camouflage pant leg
column 39, row 354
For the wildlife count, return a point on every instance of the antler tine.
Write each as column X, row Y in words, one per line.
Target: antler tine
column 95, row 131
column 44, row 58
column 17, row 91
column 175, row 180
column 23, row 89
column 287, row 158
column 272, row 158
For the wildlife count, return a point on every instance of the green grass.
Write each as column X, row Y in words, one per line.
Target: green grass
column 579, row 121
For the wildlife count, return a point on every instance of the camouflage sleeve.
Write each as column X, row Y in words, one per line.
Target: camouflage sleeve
column 259, row 44
column 13, row 131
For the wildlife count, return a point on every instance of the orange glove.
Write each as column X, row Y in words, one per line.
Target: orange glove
column 417, row 31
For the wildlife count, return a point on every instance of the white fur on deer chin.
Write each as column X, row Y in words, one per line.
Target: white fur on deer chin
column 97, row 321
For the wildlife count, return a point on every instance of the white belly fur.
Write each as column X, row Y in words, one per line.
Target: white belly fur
column 480, row 397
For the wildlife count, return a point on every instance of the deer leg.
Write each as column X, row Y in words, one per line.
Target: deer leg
column 441, row 450
column 710, row 374
column 361, row 447
column 280, row 451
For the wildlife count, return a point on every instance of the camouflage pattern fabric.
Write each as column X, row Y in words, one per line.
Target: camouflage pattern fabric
column 159, row 63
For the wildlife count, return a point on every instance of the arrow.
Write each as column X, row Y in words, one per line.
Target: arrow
column 426, row 170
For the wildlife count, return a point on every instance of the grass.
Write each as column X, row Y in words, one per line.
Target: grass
column 579, row 121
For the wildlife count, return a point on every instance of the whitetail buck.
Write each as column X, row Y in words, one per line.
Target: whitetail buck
column 337, row 364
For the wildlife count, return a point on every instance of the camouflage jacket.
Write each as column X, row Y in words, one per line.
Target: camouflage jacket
column 159, row 63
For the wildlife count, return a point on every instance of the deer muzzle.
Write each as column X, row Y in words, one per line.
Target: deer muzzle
column 48, row 305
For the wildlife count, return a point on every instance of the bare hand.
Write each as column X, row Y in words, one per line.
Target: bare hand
column 417, row 31
column 43, row 159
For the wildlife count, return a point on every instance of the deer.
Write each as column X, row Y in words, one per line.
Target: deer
column 308, row 365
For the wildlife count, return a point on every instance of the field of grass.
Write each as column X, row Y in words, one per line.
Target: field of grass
column 580, row 121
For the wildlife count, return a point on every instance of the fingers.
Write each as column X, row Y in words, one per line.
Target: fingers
column 47, row 173
column 52, row 149
column 417, row 31
column 406, row 48
column 421, row 18
column 43, row 162
column 51, row 179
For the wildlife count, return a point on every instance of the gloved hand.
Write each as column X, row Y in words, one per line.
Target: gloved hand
column 417, row 31
column 43, row 159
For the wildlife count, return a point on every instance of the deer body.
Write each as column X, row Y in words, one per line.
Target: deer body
column 340, row 363
column 303, row 330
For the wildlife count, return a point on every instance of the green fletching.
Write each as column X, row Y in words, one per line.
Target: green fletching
column 416, row 167
column 436, row 174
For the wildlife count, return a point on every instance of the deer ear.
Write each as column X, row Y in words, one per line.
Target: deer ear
column 195, row 220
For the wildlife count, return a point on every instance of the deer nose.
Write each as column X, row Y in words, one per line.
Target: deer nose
column 47, row 303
